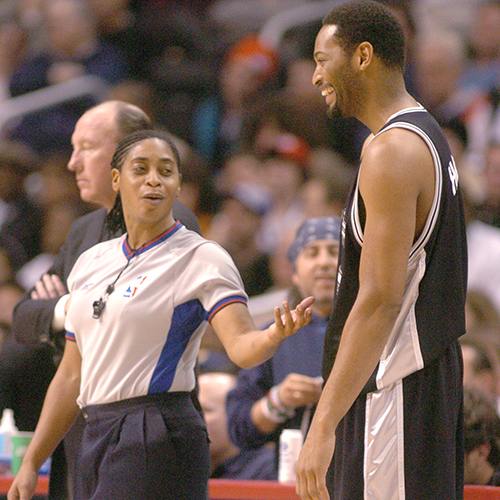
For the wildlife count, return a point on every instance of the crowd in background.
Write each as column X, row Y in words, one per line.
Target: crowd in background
column 259, row 153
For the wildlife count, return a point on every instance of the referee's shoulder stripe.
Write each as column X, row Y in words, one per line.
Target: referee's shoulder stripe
column 223, row 303
column 70, row 336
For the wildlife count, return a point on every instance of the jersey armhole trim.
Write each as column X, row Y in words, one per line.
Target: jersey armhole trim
column 223, row 303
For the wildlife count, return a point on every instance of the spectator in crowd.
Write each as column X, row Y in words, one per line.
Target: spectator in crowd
column 234, row 228
column 272, row 133
column 489, row 210
column 57, row 221
column 482, row 71
column 25, row 372
column 140, row 93
column 31, row 19
column 72, row 49
column 53, row 183
column 10, row 294
column 481, row 80
column 483, row 242
column 5, row 333
column 12, row 257
column 481, row 315
column 25, row 375
column 483, row 239
column 318, row 198
column 436, row 15
column 284, row 176
column 281, row 267
column 481, row 367
column 282, row 392
column 325, row 191
column 227, row 461
column 178, row 51
column 248, row 69
column 439, row 65
column 241, row 169
column 212, row 356
column 481, row 440
column 198, row 190
column 295, row 112
column 20, row 218
column 39, row 316
column 115, row 24
column 468, row 162
column 239, row 18
column 13, row 40
column 54, row 190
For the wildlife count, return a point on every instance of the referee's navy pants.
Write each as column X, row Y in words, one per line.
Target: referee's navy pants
column 152, row 447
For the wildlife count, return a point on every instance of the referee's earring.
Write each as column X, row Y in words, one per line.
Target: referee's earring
column 178, row 192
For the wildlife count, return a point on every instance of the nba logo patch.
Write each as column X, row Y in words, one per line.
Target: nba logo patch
column 131, row 289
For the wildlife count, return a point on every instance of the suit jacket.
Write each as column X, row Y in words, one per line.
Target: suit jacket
column 32, row 321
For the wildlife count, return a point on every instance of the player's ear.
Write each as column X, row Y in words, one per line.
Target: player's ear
column 363, row 55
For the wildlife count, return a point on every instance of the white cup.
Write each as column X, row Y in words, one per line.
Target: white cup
column 290, row 445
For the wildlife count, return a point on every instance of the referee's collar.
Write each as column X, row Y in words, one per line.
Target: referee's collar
column 129, row 252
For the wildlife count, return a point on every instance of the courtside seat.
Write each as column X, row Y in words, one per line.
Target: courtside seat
column 481, row 492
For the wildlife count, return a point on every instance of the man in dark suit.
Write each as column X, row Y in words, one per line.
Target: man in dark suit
column 39, row 316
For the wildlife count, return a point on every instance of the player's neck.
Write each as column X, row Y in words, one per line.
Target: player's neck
column 386, row 97
column 379, row 115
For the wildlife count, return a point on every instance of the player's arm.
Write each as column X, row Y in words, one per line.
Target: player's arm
column 58, row 414
column 396, row 175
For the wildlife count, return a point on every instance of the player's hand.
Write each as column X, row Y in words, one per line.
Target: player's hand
column 298, row 390
column 49, row 287
column 290, row 322
column 24, row 484
column 312, row 465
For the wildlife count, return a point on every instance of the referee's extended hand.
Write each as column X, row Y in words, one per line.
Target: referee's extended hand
column 291, row 322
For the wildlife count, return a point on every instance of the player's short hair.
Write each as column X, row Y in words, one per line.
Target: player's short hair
column 369, row 21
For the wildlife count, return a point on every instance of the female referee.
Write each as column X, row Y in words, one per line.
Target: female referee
column 139, row 306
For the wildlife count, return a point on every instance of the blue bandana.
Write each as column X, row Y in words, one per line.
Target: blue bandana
column 324, row 228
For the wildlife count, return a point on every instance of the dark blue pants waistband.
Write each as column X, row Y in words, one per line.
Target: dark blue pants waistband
column 161, row 399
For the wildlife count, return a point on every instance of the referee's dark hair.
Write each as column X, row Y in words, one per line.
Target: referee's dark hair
column 115, row 221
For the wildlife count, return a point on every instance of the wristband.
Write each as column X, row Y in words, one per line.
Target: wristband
column 275, row 400
column 274, row 409
column 270, row 412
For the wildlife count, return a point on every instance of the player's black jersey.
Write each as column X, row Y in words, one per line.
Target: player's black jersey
column 433, row 311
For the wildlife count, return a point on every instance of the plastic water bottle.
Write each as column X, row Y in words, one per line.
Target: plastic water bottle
column 7, row 429
column 290, row 446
